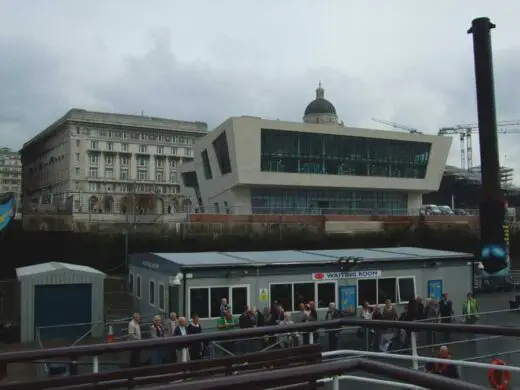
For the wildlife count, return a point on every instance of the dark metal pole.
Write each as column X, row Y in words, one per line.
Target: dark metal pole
column 492, row 209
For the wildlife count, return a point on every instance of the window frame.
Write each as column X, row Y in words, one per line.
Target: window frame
column 399, row 290
column 139, row 282
column 131, row 283
column 230, row 296
column 316, row 298
column 159, row 295
column 150, row 281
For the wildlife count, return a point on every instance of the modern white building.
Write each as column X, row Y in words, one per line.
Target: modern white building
column 253, row 165
column 93, row 162
column 10, row 173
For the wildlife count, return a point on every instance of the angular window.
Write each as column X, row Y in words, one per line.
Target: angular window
column 151, row 294
column 205, row 164
column 220, row 145
column 325, row 154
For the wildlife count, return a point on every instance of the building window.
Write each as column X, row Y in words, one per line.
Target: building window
column 109, row 173
column 78, row 143
column 342, row 202
column 77, row 157
column 93, row 172
column 109, row 160
column 160, row 150
column 110, row 146
column 173, row 177
column 406, row 288
column 220, row 145
column 124, row 174
column 93, row 158
column 93, row 187
column 123, row 160
column 124, row 147
column 142, row 161
column 205, row 164
column 290, row 295
column 151, row 293
column 159, row 163
column 141, row 175
column 159, row 176
column 326, row 154
column 205, row 301
column 160, row 299
column 142, row 148
column 77, row 171
column 138, row 286
column 377, row 291
column 174, row 151
column 131, row 283
column 94, row 145
column 188, row 152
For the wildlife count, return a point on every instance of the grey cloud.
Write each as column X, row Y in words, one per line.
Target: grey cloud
column 161, row 84
column 30, row 89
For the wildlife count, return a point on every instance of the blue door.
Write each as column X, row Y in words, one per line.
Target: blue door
column 62, row 311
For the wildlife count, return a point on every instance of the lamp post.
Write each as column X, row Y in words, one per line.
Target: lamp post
column 125, row 234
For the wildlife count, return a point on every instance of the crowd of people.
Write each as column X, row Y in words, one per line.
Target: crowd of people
column 430, row 310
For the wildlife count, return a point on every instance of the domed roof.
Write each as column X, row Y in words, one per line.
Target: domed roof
column 320, row 105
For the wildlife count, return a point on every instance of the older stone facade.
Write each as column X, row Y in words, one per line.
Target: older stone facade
column 101, row 163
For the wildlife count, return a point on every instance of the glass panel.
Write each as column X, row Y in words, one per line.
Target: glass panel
column 326, row 294
column 303, row 293
column 216, row 295
column 367, row 291
column 406, row 290
column 131, row 284
column 161, row 297
column 299, row 152
column 206, row 165
column 386, row 289
column 151, row 295
column 238, row 299
column 138, row 287
column 306, row 201
column 283, row 294
column 199, row 302
column 220, row 145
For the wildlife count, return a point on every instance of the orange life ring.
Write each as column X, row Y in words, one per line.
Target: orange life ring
column 499, row 379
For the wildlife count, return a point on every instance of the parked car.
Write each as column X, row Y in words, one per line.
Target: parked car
column 446, row 210
column 430, row 209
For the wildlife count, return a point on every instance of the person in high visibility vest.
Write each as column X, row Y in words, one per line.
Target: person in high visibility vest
column 499, row 379
column 445, row 369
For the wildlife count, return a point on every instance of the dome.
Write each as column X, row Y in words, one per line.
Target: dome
column 320, row 105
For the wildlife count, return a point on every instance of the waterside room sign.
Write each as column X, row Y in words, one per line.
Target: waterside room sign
column 347, row 275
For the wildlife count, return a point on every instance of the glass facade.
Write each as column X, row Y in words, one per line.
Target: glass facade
column 326, row 154
column 329, row 201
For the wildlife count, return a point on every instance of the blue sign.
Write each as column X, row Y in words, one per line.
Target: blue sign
column 348, row 298
column 7, row 212
column 435, row 289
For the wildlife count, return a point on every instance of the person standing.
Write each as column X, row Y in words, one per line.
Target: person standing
column 181, row 330
column 470, row 309
column 431, row 312
column 134, row 334
column 157, row 332
column 446, row 313
column 196, row 349
column 333, row 314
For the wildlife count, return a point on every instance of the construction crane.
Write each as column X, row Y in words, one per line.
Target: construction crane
column 465, row 132
column 398, row 126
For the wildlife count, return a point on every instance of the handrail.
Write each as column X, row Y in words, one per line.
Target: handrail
column 462, row 363
column 315, row 372
column 186, row 341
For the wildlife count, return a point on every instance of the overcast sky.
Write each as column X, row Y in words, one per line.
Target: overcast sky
column 406, row 61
